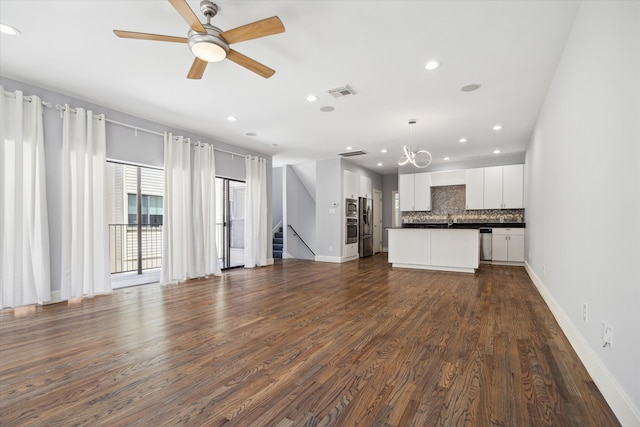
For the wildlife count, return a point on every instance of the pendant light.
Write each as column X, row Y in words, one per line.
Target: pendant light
column 420, row 159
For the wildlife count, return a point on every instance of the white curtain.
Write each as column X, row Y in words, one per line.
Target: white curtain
column 24, row 231
column 85, row 239
column 256, row 233
column 189, row 234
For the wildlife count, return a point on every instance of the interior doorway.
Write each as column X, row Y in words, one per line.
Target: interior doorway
column 230, row 214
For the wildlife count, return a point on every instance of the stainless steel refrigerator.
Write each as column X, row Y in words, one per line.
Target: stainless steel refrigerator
column 365, row 222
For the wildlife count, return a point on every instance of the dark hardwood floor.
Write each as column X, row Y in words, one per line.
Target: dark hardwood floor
column 300, row 344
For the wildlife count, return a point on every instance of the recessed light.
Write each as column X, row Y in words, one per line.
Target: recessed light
column 431, row 65
column 384, row 150
column 312, row 98
column 496, row 151
column 497, row 127
column 470, row 88
column 232, row 118
column 327, row 109
column 446, row 158
column 251, row 134
column 9, row 30
column 349, row 148
column 463, row 140
column 379, row 164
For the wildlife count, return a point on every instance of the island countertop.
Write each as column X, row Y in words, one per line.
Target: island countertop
column 461, row 225
column 449, row 249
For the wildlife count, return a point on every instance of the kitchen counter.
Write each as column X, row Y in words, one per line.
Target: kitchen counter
column 448, row 249
column 463, row 225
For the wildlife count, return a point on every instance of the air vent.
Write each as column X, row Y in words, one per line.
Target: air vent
column 352, row 153
column 340, row 92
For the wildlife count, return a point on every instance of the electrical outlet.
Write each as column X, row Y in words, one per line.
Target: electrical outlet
column 544, row 270
column 584, row 311
column 330, row 249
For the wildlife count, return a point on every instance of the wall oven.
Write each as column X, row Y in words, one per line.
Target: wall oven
column 351, row 230
column 351, row 208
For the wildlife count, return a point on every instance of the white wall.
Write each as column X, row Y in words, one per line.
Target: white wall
column 329, row 219
column 276, row 196
column 583, row 197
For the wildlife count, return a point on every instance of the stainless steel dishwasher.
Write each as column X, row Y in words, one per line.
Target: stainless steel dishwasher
column 485, row 244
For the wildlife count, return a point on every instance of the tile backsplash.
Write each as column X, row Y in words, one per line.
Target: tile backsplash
column 451, row 199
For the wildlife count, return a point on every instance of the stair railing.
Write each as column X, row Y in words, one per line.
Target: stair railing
column 295, row 233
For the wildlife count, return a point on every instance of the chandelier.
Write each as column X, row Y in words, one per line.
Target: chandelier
column 420, row 159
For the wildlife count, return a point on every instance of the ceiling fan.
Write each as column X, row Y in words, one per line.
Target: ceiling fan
column 211, row 44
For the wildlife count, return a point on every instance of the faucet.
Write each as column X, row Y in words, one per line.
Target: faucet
column 449, row 221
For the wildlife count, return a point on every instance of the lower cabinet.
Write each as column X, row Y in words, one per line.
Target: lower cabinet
column 508, row 244
column 350, row 250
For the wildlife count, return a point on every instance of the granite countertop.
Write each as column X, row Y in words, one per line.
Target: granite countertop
column 463, row 225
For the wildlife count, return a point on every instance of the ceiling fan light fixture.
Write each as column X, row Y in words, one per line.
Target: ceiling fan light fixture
column 208, row 46
column 209, row 52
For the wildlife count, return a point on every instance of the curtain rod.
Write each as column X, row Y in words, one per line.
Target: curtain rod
column 29, row 98
column 153, row 132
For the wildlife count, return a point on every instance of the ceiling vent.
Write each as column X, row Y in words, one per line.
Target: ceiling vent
column 352, row 153
column 340, row 92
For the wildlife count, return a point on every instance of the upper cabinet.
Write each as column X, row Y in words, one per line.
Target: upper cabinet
column 351, row 185
column 415, row 192
column 492, row 188
column 513, row 186
column 503, row 187
column 474, row 188
column 366, row 187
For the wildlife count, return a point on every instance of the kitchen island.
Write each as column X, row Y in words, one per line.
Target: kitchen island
column 448, row 249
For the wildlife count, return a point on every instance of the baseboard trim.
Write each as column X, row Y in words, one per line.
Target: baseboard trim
column 620, row 403
column 323, row 258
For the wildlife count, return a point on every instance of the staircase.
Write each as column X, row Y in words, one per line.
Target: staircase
column 278, row 241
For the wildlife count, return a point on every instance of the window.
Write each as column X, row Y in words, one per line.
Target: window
column 151, row 209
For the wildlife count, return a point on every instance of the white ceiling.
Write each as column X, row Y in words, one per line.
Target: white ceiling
column 379, row 48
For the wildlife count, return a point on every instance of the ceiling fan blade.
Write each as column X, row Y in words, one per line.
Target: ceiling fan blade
column 250, row 64
column 265, row 27
column 147, row 36
column 187, row 14
column 197, row 69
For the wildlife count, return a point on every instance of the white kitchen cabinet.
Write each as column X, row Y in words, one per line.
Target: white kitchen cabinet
column 406, row 188
column 507, row 244
column 415, row 192
column 512, row 186
column 492, row 196
column 422, row 191
column 474, row 181
column 503, row 187
column 366, row 187
column 351, row 250
column 437, row 249
column 351, row 185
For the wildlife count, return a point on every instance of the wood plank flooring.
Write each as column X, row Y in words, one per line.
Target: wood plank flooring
column 300, row 343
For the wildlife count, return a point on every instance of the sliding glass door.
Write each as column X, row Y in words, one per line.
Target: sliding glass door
column 230, row 211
